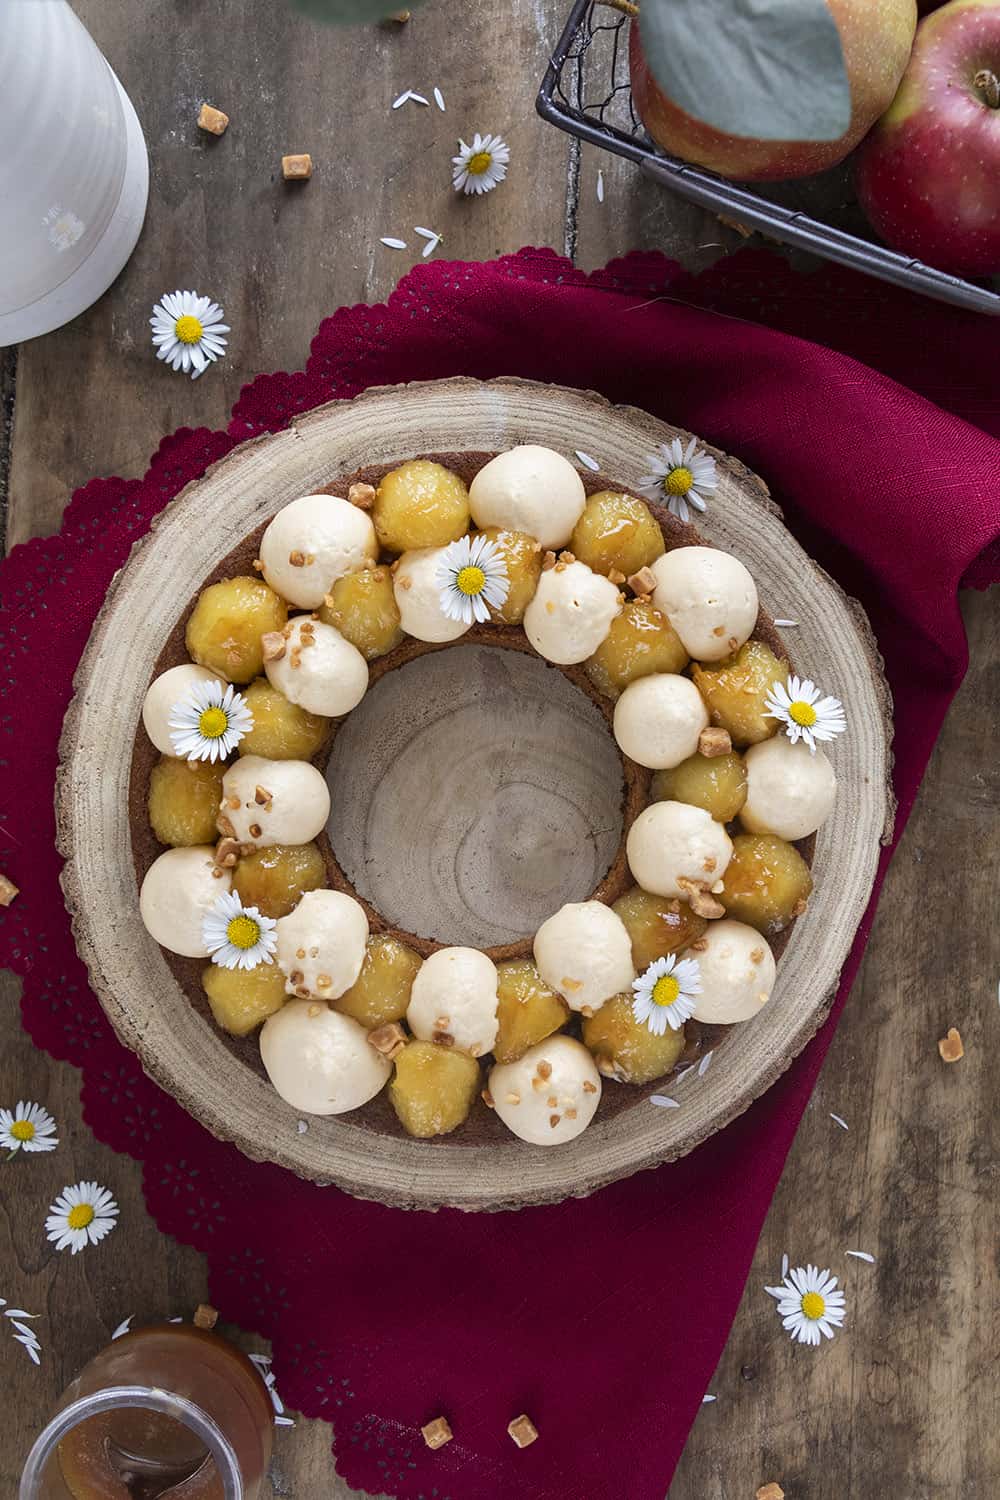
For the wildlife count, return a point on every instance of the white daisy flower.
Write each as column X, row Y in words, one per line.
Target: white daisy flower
column 471, row 576
column 665, row 993
column 805, row 715
column 210, row 722
column 238, row 936
column 479, row 167
column 81, row 1216
column 188, row 331
column 28, row 1128
column 809, row 1304
column 681, row 478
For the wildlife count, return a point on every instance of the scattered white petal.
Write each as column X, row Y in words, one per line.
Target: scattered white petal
column 123, row 1327
column 663, row 1101
column 861, row 1255
column 283, row 1422
column 784, row 1267
column 684, row 1073
column 705, row 1064
column 31, row 1350
column 706, row 1399
column 587, row 461
column 427, row 234
column 418, row 98
column 18, row 1312
column 600, row 186
column 396, row 103
column 787, row 624
column 479, row 167
column 838, row 1121
column 665, row 993
column 175, row 1320
column 391, row 242
column 439, row 99
column 301, row 1126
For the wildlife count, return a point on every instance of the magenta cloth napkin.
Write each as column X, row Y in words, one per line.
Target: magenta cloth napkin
column 382, row 1320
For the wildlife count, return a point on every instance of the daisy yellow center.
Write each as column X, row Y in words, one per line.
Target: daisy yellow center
column 479, row 163
column 665, row 990
column 23, row 1130
column 678, row 481
column 470, row 580
column 213, row 723
column 802, row 713
column 243, row 932
column 813, row 1306
column 80, row 1216
column 188, row 329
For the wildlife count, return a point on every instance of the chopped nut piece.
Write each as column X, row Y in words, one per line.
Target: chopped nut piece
column 643, row 582
column 570, row 1114
column 552, row 1101
column 571, row 984
column 548, row 561
column 537, row 1085
column 588, row 1087
column 388, row 1039
column 701, row 902
column 297, row 168
column 213, row 120
column 8, row 890
column 303, row 993
column 297, row 559
column 254, row 830
column 700, row 945
column 587, row 1011
column 560, row 567
column 523, row 1431
column 443, row 1022
column 272, row 644
column 513, row 1098
column 616, row 576
column 234, row 803
column 310, row 559
column 362, row 495
column 550, row 608
column 488, row 1099
column 553, row 1119
column 324, row 982
column 257, row 565
column 770, row 1491
column 225, row 825
column 544, row 1069
column 950, row 1046
column 296, row 976
column 205, row 1316
column 406, row 583
column 756, row 955
column 712, row 742
column 315, row 1010
column 733, row 643
column 437, row 1433
column 719, row 630
column 443, row 1038
column 261, row 795
column 299, row 953
column 567, row 557
column 227, row 852
column 399, row 16
column 709, row 864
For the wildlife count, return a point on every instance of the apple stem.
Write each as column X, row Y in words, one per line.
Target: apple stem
column 988, row 84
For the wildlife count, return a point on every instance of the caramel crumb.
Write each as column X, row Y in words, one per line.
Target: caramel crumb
column 548, row 561
column 616, row 576
column 388, row 1039
column 443, row 1038
column 588, row 1087
column 719, row 630
column 544, row 1069
column 712, row 742
column 488, row 1099
column 756, row 955
column 950, row 1046
column 257, row 565
column 254, row 830
column 296, row 168
column 405, row 583
column 272, row 645
column 297, row 559
column 314, row 1010
column 567, row 557
column 205, row 1316
column 213, row 120
column 553, row 1119
column 560, row 567
column 587, row 1011
column 437, row 1433
column 300, row 953
column 702, row 904
column 443, row 1022
column 700, row 945
column 552, row 1101
column 324, row 982
column 571, row 984
column 770, row 1492
column 513, row 1098
column 643, row 582
column 8, row 890
column 362, row 495
column 523, row 1431
column 571, row 1114
column 295, row 660
column 709, row 863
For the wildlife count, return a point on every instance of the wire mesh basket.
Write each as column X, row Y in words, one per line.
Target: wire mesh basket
column 586, row 91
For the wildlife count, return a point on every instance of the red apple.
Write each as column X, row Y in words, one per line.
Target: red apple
column 876, row 36
column 929, row 173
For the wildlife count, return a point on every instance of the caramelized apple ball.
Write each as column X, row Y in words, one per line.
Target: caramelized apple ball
column 735, row 690
column 381, row 992
column 281, row 730
column 641, row 640
column 420, row 504
column 657, row 925
column 362, row 606
column 242, row 998
column 616, row 531
column 522, row 555
column 527, row 1009
column 767, row 882
column 625, row 1049
column 717, row 783
column 433, row 1089
column 184, row 799
column 275, row 879
column 224, row 630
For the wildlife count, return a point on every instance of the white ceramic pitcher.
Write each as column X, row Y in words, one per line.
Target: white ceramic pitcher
column 74, row 174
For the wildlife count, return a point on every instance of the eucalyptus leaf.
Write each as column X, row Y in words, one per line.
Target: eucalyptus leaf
column 352, row 12
column 769, row 70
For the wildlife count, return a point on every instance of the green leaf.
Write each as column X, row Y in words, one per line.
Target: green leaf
column 353, row 12
column 769, row 70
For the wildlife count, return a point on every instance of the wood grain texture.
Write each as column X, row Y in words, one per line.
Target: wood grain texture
column 905, row 1402
column 137, row 986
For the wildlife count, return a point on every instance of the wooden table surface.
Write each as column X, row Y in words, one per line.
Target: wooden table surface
column 905, row 1401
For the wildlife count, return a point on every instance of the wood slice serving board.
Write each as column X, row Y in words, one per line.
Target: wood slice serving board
column 560, row 822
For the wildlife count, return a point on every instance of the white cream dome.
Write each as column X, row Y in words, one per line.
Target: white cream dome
column 320, row 670
column 163, row 693
column 418, row 597
column 321, row 944
column 178, row 891
column 530, row 489
column 737, row 970
column 790, row 791
column 571, row 612
column 327, row 537
column 550, row 1095
column 268, row 802
column 658, row 720
column 455, row 993
column 672, row 840
column 709, row 598
column 320, row 1061
column 584, row 951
